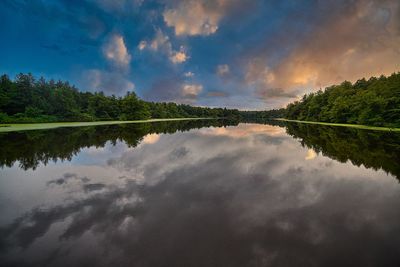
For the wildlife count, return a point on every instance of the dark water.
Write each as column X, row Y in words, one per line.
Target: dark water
column 208, row 193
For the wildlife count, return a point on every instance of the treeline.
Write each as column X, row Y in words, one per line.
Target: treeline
column 264, row 114
column 26, row 99
column 373, row 102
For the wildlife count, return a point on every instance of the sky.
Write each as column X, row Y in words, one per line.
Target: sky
column 245, row 54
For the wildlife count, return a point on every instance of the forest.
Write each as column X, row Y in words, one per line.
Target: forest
column 374, row 102
column 26, row 99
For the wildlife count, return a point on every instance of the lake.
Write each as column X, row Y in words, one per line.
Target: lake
column 200, row 193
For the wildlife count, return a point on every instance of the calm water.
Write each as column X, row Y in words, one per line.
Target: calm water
column 200, row 194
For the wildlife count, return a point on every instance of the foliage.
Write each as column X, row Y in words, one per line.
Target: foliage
column 374, row 102
column 267, row 114
column 29, row 100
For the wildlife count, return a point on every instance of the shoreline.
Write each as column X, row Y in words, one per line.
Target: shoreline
column 357, row 126
column 15, row 127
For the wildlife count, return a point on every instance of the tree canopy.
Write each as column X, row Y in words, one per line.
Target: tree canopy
column 375, row 102
column 26, row 99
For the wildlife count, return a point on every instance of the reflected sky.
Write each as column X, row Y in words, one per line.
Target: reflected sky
column 246, row 195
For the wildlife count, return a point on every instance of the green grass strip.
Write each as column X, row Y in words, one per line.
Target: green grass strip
column 52, row 125
column 358, row 126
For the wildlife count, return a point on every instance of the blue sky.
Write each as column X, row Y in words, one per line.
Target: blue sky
column 247, row 54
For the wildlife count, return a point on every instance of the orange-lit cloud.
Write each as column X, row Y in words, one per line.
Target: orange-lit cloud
column 245, row 130
column 310, row 154
column 151, row 139
column 359, row 40
column 201, row 17
column 195, row 17
column 161, row 42
column 178, row 56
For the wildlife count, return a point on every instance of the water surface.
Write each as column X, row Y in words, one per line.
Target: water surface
column 208, row 193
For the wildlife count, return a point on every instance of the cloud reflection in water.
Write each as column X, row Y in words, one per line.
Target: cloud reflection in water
column 235, row 196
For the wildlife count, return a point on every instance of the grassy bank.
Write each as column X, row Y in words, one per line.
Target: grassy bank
column 365, row 127
column 52, row 125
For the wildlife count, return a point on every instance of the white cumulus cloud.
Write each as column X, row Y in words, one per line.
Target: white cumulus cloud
column 115, row 51
column 191, row 90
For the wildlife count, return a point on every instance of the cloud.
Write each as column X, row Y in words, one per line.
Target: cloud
column 110, row 5
column 345, row 41
column 246, row 130
column 195, row 17
column 67, row 177
column 142, row 45
column 223, row 70
column 151, row 139
column 191, row 90
column 178, row 56
column 310, row 154
column 161, row 42
column 115, row 51
column 87, row 188
column 188, row 74
column 201, row 17
column 108, row 82
column 174, row 89
column 265, row 93
column 216, row 94
column 164, row 89
column 118, row 7
column 262, row 209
